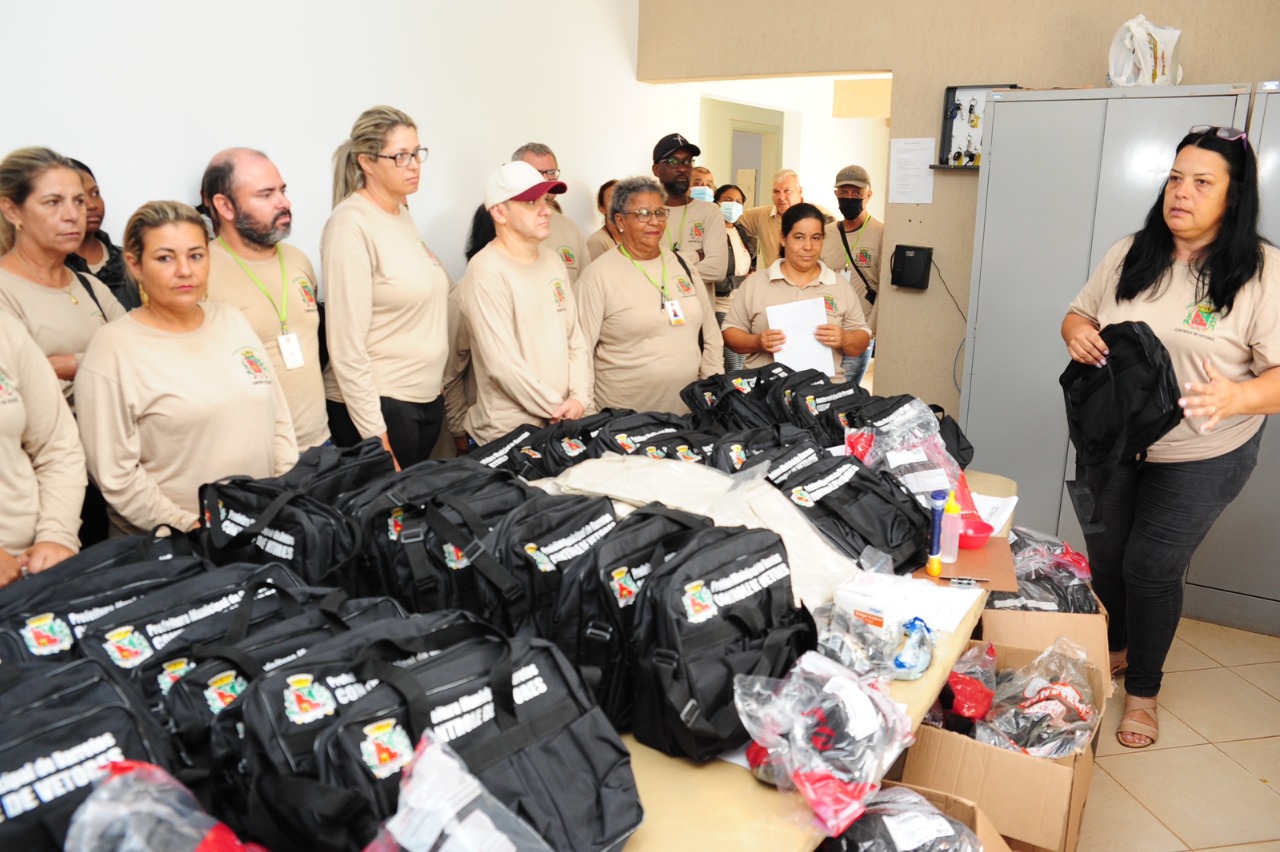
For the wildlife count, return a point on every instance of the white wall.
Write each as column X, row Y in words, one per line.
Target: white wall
column 146, row 91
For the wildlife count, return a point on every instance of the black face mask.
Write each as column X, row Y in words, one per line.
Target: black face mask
column 850, row 208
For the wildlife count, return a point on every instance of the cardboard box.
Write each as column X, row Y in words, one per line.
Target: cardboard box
column 1032, row 799
column 963, row 811
column 1037, row 629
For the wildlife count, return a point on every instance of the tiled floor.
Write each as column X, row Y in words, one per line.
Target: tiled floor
column 1212, row 781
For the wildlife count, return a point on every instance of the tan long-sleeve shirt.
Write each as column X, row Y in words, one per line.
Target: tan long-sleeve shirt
column 567, row 241
column 641, row 360
column 60, row 320
column 295, row 298
column 386, row 299
column 699, row 227
column 520, row 334
column 42, row 474
column 163, row 413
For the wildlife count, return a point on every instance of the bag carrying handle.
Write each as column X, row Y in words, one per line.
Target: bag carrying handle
column 218, row 536
column 238, row 628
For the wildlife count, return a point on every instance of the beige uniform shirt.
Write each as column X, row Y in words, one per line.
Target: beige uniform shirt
column 600, row 242
column 699, row 227
column 63, row 320
column 642, row 361
column 387, row 303
column 765, row 224
column 42, row 474
column 566, row 240
column 520, row 334
column 864, row 243
column 1241, row 344
column 161, row 414
column 295, row 296
column 749, row 309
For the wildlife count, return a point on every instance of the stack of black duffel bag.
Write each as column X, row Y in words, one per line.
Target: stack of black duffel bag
column 283, row 660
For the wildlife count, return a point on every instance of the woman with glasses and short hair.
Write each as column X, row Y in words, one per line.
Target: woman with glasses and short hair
column 1208, row 285
column 385, row 294
column 645, row 314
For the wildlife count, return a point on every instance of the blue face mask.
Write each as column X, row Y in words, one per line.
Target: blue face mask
column 703, row 193
column 731, row 210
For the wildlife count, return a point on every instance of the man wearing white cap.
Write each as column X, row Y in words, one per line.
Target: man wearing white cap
column 565, row 238
column 695, row 229
column 852, row 248
column 519, row 331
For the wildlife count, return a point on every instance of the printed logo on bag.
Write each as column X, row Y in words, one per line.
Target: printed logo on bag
column 253, row 366
column 222, row 689
column 172, row 673
column 558, row 287
column 685, row 454
column 6, row 388
column 801, row 497
column 709, row 397
column 1202, row 318
column 395, row 523
column 222, row 515
column 744, row 385
column 654, row 453
column 745, row 582
column 386, row 748
column 686, row 288
column 572, row 446
column 697, row 231
column 737, row 455
column 810, row 404
column 699, row 605
column 308, row 291
column 127, row 648
column 624, row 441
column 454, row 559
column 843, row 418
column 567, row 255
column 48, row 777
column 531, row 452
column 461, row 717
column 624, row 587
column 863, row 258
column 47, row 634
column 540, row 559
column 831, row 305
column 306, row 701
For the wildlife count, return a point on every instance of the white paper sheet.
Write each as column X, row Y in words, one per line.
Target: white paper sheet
column 994, row 510
column 798, row 321
column 910, row 179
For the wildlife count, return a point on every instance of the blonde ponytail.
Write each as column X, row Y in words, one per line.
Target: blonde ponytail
column 368, row 135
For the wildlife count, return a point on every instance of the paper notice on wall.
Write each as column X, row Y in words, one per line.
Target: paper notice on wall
column 910, row 179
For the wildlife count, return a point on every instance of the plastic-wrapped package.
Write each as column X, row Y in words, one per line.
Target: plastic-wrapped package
column 825, row 732
column 1051, row 576
column 1044, row 709
column 1024, row 542
column 908, row 443
column 854, row 645
column 138, row 807
column 445, row 807
column 973, row 682
column 917, row 651
column 900, row 819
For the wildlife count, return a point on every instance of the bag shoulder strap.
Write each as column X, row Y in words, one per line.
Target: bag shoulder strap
column 84, row 282
column 871, row 294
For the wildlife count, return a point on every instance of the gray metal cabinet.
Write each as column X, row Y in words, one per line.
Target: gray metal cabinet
column 1065, row 174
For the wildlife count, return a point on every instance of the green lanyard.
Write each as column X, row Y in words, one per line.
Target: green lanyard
column 282, row 310
column 662, row 288
column 857, row 238
column 684, row 211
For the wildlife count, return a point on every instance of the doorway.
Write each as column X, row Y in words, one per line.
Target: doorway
column 742, row 144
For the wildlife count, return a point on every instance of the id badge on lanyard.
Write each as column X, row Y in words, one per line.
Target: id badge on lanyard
column 291, row 351
column 675, row 314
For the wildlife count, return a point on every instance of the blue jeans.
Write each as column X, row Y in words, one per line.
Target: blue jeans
column 854, row 367
column 1156, row 515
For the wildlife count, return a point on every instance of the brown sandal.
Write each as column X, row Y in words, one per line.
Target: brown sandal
column 1119, row 663
column 1133, row 703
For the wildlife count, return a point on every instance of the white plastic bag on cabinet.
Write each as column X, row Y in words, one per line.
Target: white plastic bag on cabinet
column 1144, row 54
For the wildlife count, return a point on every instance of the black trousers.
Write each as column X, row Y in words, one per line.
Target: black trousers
column 412, row 427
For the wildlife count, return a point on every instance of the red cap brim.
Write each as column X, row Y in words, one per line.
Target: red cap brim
column 533, row 193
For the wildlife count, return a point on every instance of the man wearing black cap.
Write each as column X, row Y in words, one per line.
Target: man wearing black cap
column 852, row 248
column 519, row 332
column 695, row 229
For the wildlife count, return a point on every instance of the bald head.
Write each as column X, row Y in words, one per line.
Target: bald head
column 242, row 188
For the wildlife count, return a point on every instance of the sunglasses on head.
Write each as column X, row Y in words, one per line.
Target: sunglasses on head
column 1230, row 134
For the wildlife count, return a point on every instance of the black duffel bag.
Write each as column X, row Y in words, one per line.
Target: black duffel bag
column 625, row 434
column 785, row 462
column 720, row 607
column 733, row 449
column 60, row 725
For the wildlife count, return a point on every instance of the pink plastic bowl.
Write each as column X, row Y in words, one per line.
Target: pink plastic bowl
column 974, row 532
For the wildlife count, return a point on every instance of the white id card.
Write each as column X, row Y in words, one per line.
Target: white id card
column 291, row 350
column 674, row 313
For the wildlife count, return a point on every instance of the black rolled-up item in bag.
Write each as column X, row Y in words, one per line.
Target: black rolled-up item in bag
column 592, row 619
column 856, row 507
column 45, row 615
column 60, row 725
column 1117, row 411
column 719, row 607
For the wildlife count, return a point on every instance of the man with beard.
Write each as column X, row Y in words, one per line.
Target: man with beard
column 566, row 238
column 695, row 229
column 272, row 283
column 852, row 248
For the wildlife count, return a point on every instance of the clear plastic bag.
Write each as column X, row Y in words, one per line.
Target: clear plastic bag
column 1051, row 576
column 444, row 807
column 1144, row 54
column 1044, row 709
column 826, row 732
column 138, row 807
column 908, row 444
column 854, row 645
column 901, row 819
